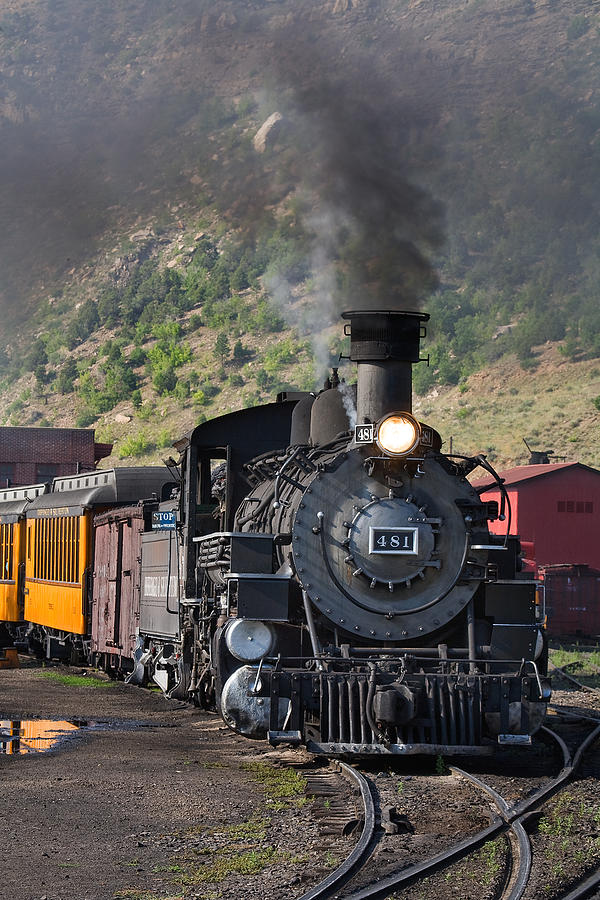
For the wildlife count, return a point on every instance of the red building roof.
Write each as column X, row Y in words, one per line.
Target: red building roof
column 524, row 473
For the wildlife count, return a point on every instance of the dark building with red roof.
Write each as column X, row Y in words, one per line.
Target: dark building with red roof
column 35, row 455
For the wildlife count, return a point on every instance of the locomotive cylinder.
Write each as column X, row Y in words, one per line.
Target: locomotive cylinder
column 384, row 345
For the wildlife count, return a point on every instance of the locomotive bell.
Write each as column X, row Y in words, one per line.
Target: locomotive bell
column 384, row 344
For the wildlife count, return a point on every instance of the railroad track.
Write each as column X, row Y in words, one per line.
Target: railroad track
column 508, row 819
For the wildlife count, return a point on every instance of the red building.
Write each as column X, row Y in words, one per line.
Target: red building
column 555, row 511
column 35, row 455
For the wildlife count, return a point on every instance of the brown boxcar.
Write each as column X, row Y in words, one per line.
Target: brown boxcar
column 572, row 599
column 116, row 603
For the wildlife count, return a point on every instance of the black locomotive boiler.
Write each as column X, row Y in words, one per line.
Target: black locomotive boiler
column 353, row 599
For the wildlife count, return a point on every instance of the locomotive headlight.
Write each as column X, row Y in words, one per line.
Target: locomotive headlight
column 398, row 434
column 249, row 640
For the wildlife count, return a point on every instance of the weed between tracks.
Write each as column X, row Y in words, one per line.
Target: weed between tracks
column 475, row 877
column 283, row 786
column 569, row 821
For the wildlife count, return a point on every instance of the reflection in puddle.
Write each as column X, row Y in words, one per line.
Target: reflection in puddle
column 34, row 735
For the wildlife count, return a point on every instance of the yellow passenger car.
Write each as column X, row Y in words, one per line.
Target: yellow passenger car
column 57, row 564
column 59, row 550
column 13, row 506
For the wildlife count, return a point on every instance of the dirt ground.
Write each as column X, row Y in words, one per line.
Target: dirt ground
column 155, row 800
column 161, row 800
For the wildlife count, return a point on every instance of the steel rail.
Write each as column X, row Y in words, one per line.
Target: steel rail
column 361, row 850
column 516, row 813
column 524, row 846
column 585, row 888
column 560, row 711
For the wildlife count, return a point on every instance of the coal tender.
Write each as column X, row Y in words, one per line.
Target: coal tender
column 354, row 600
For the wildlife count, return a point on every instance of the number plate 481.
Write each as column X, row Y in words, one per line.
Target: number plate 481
column 404, row 541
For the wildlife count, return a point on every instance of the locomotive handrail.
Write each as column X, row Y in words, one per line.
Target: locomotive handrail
column 482, row 461
column 314, row 638
column 281, row 474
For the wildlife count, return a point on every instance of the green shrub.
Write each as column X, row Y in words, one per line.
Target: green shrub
column 164, row 380
column 136, row 445
column 164, row 438
column 281, row 354
column 65, row 382
column 85, row 417
column 137, row 357
column 182, row 390
column 146, row 411
column 263, row 379
column 221, row 348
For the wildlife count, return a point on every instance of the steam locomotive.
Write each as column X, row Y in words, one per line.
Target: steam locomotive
column 343, row 592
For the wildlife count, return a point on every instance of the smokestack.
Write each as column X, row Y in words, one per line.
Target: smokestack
column 384, row 344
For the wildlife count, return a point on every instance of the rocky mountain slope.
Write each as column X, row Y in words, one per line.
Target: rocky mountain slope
column 440, row 154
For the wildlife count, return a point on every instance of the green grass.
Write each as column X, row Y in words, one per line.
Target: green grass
column 227, row 862
column 583, row 665
column 283, row 786
column 579, row 660
column 89, row 681
column 254, row 828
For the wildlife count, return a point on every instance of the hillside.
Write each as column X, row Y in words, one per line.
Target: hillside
column 160, row 265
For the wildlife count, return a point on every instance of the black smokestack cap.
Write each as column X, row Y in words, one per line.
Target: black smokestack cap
column 384, row 344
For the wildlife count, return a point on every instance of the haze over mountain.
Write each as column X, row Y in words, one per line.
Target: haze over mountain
column 441, row 154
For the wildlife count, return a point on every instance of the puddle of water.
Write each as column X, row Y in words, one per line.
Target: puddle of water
column 34, row 735
column 40, row 735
